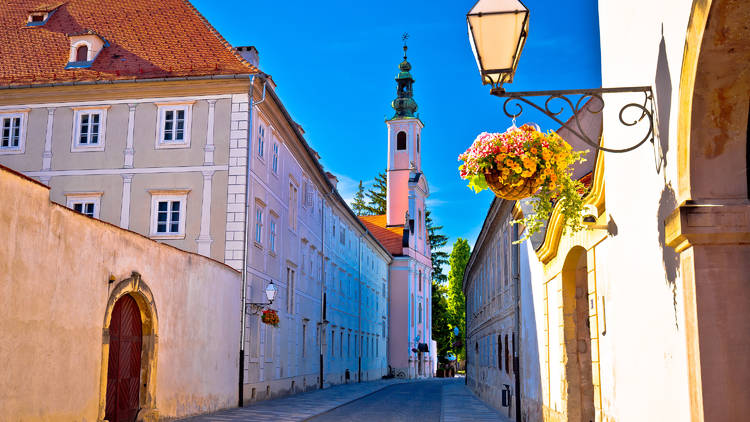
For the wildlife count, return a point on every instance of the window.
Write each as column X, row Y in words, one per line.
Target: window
column 12, row 132
column 401, row 140
column 420, row 280
column 304, row 339
column 309, row 194
column 90, row 125
column 82, row 53
column 168, row 214
column 275, row 161
column 261, row 140
column 417, row 143
column 272, row 235
column 292, row 207
column 258, row 224
column 419, row 221
column 341, row 344
column 420, row 313
column 507, row 369
column 85, row 203
column 290, row 284
column 342, row 236
column 174, row 125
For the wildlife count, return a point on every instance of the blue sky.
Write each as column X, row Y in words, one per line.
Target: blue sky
column 335, row 64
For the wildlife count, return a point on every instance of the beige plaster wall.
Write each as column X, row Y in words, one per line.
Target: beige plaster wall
column 54, row 291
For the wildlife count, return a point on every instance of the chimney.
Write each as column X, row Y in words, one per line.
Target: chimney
column 333, row 179
column 250, row 54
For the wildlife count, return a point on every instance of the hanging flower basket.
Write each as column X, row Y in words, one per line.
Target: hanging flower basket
column 270, row 317
column 527, row 163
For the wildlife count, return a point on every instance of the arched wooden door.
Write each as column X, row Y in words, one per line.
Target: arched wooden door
column 124, row 370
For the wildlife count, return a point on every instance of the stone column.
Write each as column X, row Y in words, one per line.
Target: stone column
column 204, row 239
column 208, row 158
column 125, row 211
column 47, row 155
column 129, row 152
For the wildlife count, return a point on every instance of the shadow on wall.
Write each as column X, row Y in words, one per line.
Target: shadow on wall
column 531, row 373
column 663, row 85
column 670, row 258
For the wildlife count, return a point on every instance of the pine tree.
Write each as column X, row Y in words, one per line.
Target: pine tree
column 456, row 301
column 376, row 196
column 437, row 241
column 359, row 206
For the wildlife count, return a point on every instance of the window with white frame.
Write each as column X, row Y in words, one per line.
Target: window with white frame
column 258, row 224
column 12, row 132
column 168, row 214
column 292, row 207
column 261, row 140
column 85, row 203
column 272, row 234
column 275, row 160
column 89, row 131
column 174, row 125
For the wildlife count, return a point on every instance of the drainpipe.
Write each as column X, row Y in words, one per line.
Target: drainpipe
column 359, row 314
column 321, row 333
column 517, row 342
column 248, row 193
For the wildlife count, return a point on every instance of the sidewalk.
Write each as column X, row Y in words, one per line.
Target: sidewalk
column 460, row 404
column 300, row 406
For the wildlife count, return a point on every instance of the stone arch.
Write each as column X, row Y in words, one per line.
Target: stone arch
column 136, row 288
column 710, row 229
column 579, row 385
column 714, row 99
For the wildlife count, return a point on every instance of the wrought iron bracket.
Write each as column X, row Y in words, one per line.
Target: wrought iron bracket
column 591, row 100
column 255, row 308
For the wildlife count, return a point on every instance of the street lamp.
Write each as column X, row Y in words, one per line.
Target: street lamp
column 271, row 291
column 497, row 32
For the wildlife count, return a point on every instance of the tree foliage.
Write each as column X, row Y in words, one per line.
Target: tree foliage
column 359, row 205
column 437, row 242
column 441, row 330
column 376, row 196
column 459, row 257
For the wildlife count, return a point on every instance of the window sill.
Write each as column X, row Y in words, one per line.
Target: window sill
column 272, row 253
column 172, row 145
column 258, row 245
column 81, row 148
column 11, row 151
column 167, row 236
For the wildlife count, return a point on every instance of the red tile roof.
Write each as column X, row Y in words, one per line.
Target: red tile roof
column 390, row 237
column 148, row 39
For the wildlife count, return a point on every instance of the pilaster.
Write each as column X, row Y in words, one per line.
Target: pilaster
column 127, row 180
column 204, row 239
column 129, row 152
column 47, row 155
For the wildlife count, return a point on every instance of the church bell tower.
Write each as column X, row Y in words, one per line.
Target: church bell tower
column 404, row 145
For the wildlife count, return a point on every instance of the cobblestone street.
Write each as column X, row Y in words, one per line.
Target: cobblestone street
column 387, row 400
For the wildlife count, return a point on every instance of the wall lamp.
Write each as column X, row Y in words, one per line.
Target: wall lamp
column 256, row 308
column 497, row 32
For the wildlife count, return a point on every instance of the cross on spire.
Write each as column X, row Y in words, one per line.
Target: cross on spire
column 405, row 37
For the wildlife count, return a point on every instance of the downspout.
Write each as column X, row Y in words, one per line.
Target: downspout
column 359, row 314
column 517, row 342
column 321, row 334
column 248, row 194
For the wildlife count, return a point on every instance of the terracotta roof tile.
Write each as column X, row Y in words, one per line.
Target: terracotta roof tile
column 148, row 39
column 390, row 237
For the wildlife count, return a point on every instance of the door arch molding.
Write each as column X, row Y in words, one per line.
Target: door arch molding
column 138, row 290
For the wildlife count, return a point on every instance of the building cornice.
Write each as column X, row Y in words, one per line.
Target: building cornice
column 73, row 92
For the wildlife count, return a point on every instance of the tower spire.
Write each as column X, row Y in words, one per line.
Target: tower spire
column 404, row 104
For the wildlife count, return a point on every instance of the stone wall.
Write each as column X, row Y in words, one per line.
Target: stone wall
column 62, row 272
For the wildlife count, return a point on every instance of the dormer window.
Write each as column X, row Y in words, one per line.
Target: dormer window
column 40, row 15
column 84, row 47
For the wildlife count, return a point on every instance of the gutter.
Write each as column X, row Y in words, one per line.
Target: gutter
column 137, row 80
column 248, row 195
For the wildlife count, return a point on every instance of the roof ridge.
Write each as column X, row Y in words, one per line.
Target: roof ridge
column 221, row 38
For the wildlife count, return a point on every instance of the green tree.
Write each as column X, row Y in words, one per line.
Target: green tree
column 359, row 205
column 376, row 195
column 437, row 241
column 441, row 330
column 459, row 257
